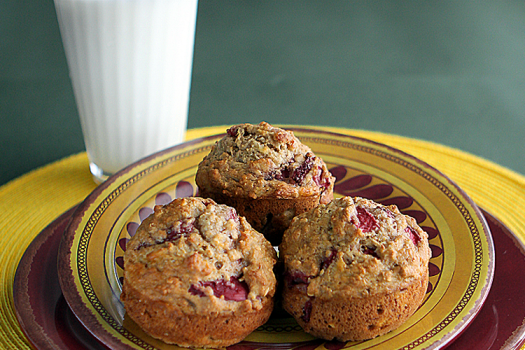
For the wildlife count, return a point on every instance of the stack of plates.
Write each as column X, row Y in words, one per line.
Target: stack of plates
column 78, row 306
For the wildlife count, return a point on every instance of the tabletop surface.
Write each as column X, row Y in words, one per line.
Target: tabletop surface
column 449, row 72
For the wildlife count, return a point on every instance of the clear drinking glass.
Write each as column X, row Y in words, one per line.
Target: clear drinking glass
column 130, row 64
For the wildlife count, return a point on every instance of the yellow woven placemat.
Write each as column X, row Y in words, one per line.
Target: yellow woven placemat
column 28, row 204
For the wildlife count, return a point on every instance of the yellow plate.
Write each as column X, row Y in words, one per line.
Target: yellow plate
column 461, row 267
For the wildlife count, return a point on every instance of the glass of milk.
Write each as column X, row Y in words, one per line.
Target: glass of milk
column 130, row 64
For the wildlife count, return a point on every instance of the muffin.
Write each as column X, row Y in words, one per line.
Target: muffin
column 198, row 275
column 267, row 174
column 353, row 269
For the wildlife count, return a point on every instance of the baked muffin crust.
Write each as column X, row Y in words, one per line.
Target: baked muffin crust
column 354, row 255
column 267, row 174
column 262, row 161
column 197, row 274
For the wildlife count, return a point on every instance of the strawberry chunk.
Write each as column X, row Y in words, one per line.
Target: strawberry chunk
column 232, row 132
column 327, row 261
column 370, row 251
column 296, row 278
column 232, row 290
column 300, row 172
column 367, row 222
column 307, row 311
column 414, row 237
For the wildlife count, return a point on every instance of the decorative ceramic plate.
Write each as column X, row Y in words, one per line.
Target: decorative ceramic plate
column 48, row 322
column 461, row 267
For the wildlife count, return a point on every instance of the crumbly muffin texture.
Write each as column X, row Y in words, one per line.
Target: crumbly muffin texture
column 354, row 269
column 262, row 161
column 194, row 263
column 355, row 248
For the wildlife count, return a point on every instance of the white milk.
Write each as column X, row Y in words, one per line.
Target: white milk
column 130, row 64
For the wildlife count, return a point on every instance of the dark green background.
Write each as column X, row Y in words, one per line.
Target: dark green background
column 452, row 72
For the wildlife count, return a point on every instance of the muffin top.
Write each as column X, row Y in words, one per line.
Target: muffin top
column 353, row 247
column 262, row 161
column 201, row 257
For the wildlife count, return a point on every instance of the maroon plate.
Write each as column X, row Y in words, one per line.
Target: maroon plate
column 42, row 311
column 48, row 322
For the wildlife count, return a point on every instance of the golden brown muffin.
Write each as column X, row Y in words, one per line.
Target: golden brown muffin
column 354, row 269
column 197, row 275
column 267, row 174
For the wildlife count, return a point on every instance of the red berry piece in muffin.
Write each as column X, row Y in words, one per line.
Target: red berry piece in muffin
column 198, row 275
column 267, row 174
column 354, row 269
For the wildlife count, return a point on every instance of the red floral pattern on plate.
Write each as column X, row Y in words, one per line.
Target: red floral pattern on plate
column 349, row 182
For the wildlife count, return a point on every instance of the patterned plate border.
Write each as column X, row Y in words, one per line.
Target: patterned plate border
column 83, row 280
